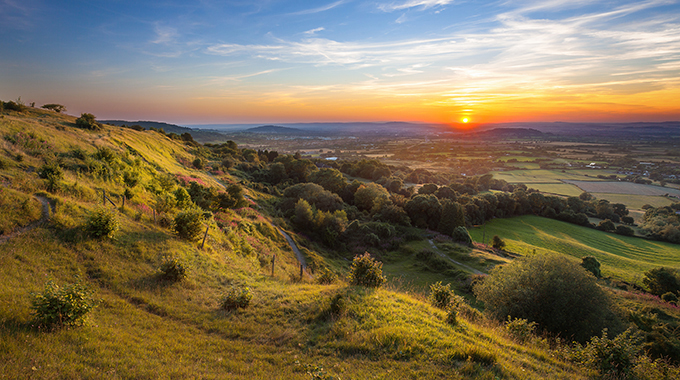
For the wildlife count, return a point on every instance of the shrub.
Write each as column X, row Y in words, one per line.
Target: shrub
column 198, row 163
column 591, row 264
column 452, row 316
column 520, row 329
column 236, row 297
column 551, row 290
column 173, row 270
column 662, row 280
column 87, row 121
column 624, row 230
column 440, row 295
column 62, row 306
column 612, row 358
column 101, row 223
column 497, row 242
column 326, row 277
column 461, row 235
column 366, row 271
column 189, row 224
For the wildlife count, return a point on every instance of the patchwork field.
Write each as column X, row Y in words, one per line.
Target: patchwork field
column 547, row 176
column 622, row 257
column 613, row 187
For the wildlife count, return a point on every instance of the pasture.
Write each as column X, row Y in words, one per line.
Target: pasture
column 615, row 187
column 622, row 257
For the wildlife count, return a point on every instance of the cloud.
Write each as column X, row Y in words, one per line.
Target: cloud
column 423, row 4
column 401, row 19
column 17, row 14
column 319, row 9
column 164, row 34
column 314, row 31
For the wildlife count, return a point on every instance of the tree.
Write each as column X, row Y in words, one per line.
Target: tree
column 330, row 179
column 189, row 224
column 550, row 290
column 368, row 196
column 461, row 235
column 87, row 121
column 424, row 210
column 453, row 215
column 58, row 108
column 591, row 264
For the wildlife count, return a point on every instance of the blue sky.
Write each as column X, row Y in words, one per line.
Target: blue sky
column 287, row 61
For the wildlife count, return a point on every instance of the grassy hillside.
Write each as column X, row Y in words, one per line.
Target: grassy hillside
column 623, row 257
column 144, row 327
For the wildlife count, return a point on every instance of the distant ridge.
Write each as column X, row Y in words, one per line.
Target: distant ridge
column 275, row 129
column 200, row 135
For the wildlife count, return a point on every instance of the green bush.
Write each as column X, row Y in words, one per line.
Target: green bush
column 670, row 297
column 662, row 280
column 440, row 295
column 624, row 230
column 591, row 264
column 58, row 108
column 551, row 290
column 366, row 271
column 452, row 316
column 497, row 242
column 236, row 297
column 612, row 358
column 520, row 329
column 62, row 306
column 188, row 224
column 173, row 270
column 87, row 121
column 101, row 223
column 461, row 235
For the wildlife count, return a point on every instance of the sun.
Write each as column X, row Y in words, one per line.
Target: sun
column 465, row 120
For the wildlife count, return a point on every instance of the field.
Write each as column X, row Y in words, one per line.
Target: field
column 546, row 176
column 622, row 188
column 636, row 202
column 623, row 257
column 558, row 188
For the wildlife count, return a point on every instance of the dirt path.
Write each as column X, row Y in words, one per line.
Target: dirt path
column 290, row 240
column 434, row 247
column 43, row 219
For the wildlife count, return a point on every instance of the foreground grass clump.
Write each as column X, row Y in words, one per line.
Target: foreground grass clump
column 16, row 210
column 62, row 306
column 173, row 270
column 236, row 297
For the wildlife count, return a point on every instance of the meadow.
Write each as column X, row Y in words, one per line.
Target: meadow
column 622, row 257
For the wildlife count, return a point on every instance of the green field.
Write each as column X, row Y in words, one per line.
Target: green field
column 615, row 187
column 622, row 257
column 635, row 202
column 558, row 188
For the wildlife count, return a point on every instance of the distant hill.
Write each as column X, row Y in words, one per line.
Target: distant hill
column 509, row 133
column 277, row 130
column 200, row 135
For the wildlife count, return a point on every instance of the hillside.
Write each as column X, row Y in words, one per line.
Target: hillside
column 147, row 327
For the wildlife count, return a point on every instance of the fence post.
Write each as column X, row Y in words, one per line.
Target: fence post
column 104, row 197
column 154, row 216
column 273, row 261
column 301, row 268
column 205, row 236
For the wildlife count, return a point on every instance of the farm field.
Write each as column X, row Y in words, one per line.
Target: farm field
column 636, row 202
column 622, row 257
column 547, row 176
column 558, row 188
column 614, row 187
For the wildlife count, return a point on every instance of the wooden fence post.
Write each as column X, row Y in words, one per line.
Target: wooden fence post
column 301, row 268
column 273, row 261
column 154, row 216
column 205, row 236
column 104, row 197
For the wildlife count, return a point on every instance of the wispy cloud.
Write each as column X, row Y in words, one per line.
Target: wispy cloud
column 319, row 9
column 423, row 4
column 164, row 34
column 314, row 31
column 17, row 14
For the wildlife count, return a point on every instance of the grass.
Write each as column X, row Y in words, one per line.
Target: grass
column 547, row 176
column 623, row 257
column 17, row 210
column 146, row 328
column 636, row 202
column 559, row 188
column 623, row 188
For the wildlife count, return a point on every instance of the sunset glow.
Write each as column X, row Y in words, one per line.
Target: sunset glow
column 267, row 62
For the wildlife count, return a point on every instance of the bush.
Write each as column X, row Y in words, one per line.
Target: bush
column 366, row 271
column 101, row 223
column 236, row 297
column 551, row 290
column 189, row 224
column 452, row 316
column 497, row 242
column 612, row 358
column 662, row 280
column 520, row 329
column 58, row 108
column 173, row 270
column 461, row 235
column 440, row 295
column 87, row 121
column 62, row 306
column 591, row 264
column 624, row 230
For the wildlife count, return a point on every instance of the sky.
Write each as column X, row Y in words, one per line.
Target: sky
column 278, row 61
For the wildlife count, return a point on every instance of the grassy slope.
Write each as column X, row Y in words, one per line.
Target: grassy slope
column 147, row 329
column 621, row 256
